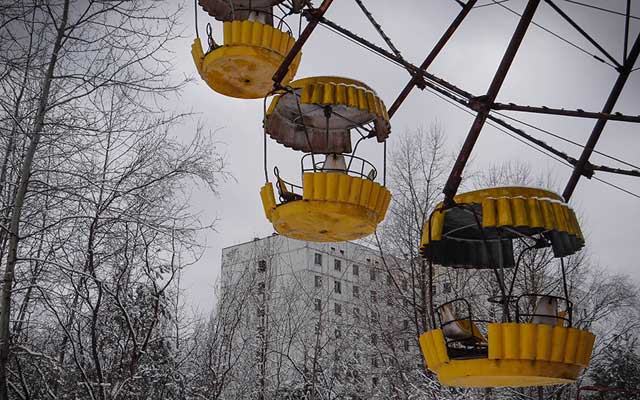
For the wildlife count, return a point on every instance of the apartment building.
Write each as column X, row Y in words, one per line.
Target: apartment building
column 334, row 318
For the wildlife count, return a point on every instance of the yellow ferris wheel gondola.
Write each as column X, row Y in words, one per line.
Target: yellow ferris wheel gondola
column 319, row 114
column 454, row 237
column 339, row 198
column 251, row 52
column 538, row 346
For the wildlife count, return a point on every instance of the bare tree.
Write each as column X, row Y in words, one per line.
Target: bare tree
column 96, row 225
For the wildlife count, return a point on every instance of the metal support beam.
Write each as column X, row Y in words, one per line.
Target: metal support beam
column 604, row 168
column 416, row 78
column 583, row 33
column 600, row 124
column 626, row 32
column 588, row 170
column 316, row 14
column 567, row 113
column 378, row 28
column 453, row 182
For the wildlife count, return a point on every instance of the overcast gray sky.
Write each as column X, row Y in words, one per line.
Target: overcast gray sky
column 546, row 71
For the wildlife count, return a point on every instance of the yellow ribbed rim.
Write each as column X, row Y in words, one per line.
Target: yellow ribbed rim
column 547, row 353
column 336, row 188
column 244, row 65
column 517, row 207
column 333, row 90
column 334, row 208
column 252, row 33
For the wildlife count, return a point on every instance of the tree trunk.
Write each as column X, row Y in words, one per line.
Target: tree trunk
column 16, row 212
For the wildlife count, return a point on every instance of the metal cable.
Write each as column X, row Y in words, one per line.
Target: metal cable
column 566, row 290
column 304, row 126
column 557, row 36
column 556, row 158
column 195, row 9
column 264, row 120
column 600, row 8
column 565, row 139
column 493, row 3
column 384, row 165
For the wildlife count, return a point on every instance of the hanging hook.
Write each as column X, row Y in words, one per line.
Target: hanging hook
column 212, row 43
column 327, row 115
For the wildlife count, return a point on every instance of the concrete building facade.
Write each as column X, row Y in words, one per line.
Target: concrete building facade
column 332, row 319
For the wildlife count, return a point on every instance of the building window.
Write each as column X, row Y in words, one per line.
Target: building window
column 368, row 260
column 433, row 287
column 356, row 291
column 317, row 304
column 317, row 327
column 406, row 345
column 405, row 285
column 374, row 381
column 261, row 288
column 317, row 281
column 342, row 252
column 374, row 316
column 317, row 259
column 338, row 308
column 446, row 288
column 333, row 249
column 337, row 287
column 262, row 266
column 356, row 270
column 338, row 335
column 405, row 324
column 374, row 296
column 337, row 265
column 374, row 362
column 372, row 274
column 260, row 312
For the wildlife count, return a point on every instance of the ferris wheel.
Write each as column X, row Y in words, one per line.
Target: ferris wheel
column 532, row 340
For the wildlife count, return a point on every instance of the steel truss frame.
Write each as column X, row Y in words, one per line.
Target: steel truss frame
column 484, row 104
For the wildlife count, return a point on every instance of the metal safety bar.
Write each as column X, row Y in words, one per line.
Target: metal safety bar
column 529, row 316
column 355, row 166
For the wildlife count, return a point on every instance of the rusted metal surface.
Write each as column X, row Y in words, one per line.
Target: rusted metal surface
column 417, row 78
column 600, row 124
column 568, row 113
column 378, row 28
column 453, row 182
column 317, row 14
column 225, row 10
